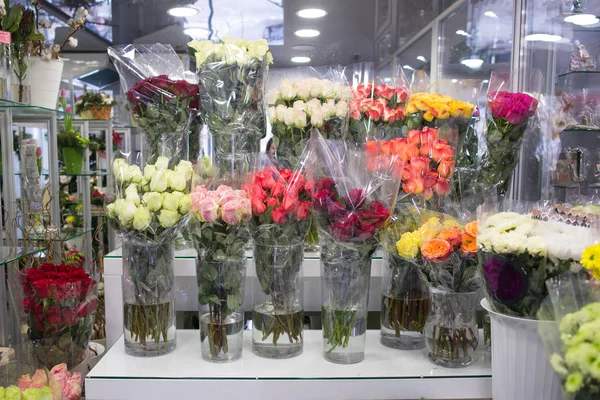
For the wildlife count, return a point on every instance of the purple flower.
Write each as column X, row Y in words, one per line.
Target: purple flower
column 504, row 280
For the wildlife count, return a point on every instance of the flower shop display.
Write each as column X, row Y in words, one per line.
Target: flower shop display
column 98, row 196
column 281, row 202
column 352, row 203
column 377, row 111
column 59, row 303
column 521, row 246
column 297, row 107
column 425, row 160
column 219, row 230
column 94, row 105
column 71, row 144
column 161, row 101
column 148, row 210
column 54, row 384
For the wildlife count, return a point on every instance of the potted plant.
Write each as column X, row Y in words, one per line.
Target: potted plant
column 71, row 144
column 94, row 105
column 36, row 63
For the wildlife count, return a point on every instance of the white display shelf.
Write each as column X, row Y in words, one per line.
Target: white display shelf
column 384, row 374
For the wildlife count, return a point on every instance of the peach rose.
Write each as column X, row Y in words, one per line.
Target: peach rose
column 469, row 244
column 436, row 250
column 471, row 228
column 452, row 235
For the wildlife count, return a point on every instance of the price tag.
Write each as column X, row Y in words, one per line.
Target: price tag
column 4, row 37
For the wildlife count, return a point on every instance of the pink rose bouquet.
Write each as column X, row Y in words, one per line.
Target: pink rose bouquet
column 219, row 230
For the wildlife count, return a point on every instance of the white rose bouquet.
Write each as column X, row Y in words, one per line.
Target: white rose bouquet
column 299, row 106
column 149, row 209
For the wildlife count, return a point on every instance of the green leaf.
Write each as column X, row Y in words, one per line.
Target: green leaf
column 207, row 233
column 202, row 299
column 232, row 301
column 210, row 272
column 214, row 299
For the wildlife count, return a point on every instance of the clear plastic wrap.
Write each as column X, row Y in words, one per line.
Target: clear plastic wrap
column 521, row 245
column 570, row 333
column 162, row 101
column 377, row 107
column 297, row 107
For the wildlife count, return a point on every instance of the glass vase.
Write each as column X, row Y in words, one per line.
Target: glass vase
column 278, row 313
column 451, row 329
column 149, row 298
column 221, row 312
column 404, row 305
column 312, row 238
column 346, row 274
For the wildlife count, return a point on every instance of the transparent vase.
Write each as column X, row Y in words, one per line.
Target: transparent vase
column 404, row 305
column 221, row 312
column 346, row 274
column 149, row 298
column 278, row 313
column 451, row 329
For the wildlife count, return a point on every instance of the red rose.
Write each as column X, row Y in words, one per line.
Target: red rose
column 258, row 192
column 257, row 178
column 87, row 284
column 272, row 202
column 29, row 305
column 373, row 114
column 278, row 189
column 335, row 210
column 357, row 197
column 326, row 184
column 429, row 180
column 53, row 315
column 303, row 210
column 258, row 207
column 60, row 291
column 442, row 186
column 42, row 288
column 309, row 187
column 278, row 215
column 402, row 94
column 286, row 174
column 47, row 267
column 343, row 229
column 268, row 182
column 69, row 315
column 321, row 198
column 290, row 202
column 87, row 307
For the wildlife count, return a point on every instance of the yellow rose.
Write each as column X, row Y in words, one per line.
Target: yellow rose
column 428, row 116
column 449, row 223
column 430, row 229
column 409, row 244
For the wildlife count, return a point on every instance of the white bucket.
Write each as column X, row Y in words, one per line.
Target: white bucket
column 45, row 82
column 520, row 367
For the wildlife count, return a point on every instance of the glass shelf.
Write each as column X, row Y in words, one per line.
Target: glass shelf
column 22, row 109
column 581, row 186
column 9, row 254
column 62, row 173
column 563, row 75
column 60, row 235
column 581, row 128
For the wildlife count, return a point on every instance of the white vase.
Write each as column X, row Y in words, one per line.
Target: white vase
column 45, row 82
column 520, row 367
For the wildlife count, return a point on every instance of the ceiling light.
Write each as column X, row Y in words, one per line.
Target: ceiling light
column 421, row 58
column 454, row 80
column 307, row 33
column 486, row 81
column 300, row 59
column 303, row 47
column 196, row 33
column 408, row 67
column 462, row 33
column 490, row 14
column 542, row 37
column 582, row 19
column 311, row 13
column 182, row 11
column 473, row 63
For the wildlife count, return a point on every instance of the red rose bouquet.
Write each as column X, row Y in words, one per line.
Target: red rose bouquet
column 377, row 111
column 352, row 203
column 281, row 205
column 161, row 101
column 59, row 304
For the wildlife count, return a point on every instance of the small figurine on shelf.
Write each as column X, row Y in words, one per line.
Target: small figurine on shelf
column 581, row 59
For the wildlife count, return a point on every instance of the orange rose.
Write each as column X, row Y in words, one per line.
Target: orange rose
column 471, row 229
column 413, row 137
column 436, row 250
column 469, row 244
column 452, row 235
column 446, row 168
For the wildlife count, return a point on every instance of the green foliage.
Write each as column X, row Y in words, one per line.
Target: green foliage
column 90, row 99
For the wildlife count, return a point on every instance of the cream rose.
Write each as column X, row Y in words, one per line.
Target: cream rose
column 142, row 219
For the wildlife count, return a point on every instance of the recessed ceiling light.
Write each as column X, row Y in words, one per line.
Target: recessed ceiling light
column 454, row 80
column 300, row 59
column 307, row 33
column 311, row 13
column 182, row 11
column 473, row 63
column 421, row 58
column 582, row 19
column 485, row 81
column 196, row 32
column 490, row 14
column 408, row 67
column 303, row 47
column 542, row 37
column 462, row 33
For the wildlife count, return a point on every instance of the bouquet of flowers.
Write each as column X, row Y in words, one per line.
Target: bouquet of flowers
column 570, row 334
column 590, row 260
column 219, row 230
column 231, row 74
column 507, row 121
column 352, row 203
column 377, row 111
column 299, row 106
column 425, row 161
column 520, row 247
column 148, row 210
column 161, row 101
column 59, row 304
column 94, row 105
column 281, row 202
column 435, row 110
column 43, row 384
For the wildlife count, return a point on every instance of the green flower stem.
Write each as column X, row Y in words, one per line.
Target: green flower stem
column 149, row 321
column 341, row 322
column 452, row 343
column 407, row 314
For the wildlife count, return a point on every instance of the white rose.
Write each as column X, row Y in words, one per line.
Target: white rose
column 159, row 182
column 328, row 110
column 153, row 201
column 341, row 109
column 288, row 116
column 328, row 90
column 170, row 202
column 126, row 213
column 299, row 105
column 299, row 119
column 184, row 204
column 135, row 173
column 142, row 219
column 161, row 162
column 177, row 181
column 287, row 90
column 316, row 88
column 131, row 194
column 203, row 49
column 303, row 91
column 186, row 168
column 316, row 119
column 110, row 210
column 168, row 218
column 272, row 114
column 280, row 111
column 149, row 172
column 259, row 48
column 120, row 170
column 273, row 96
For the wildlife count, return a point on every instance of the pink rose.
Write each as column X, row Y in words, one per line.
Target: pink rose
column 197, row 197
column 24, row 382
column 226, row 197
column 60, row 368
column 199, row 189
column 72, row 390
column 208, row 209
column 231, row 212
column 246, row 209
